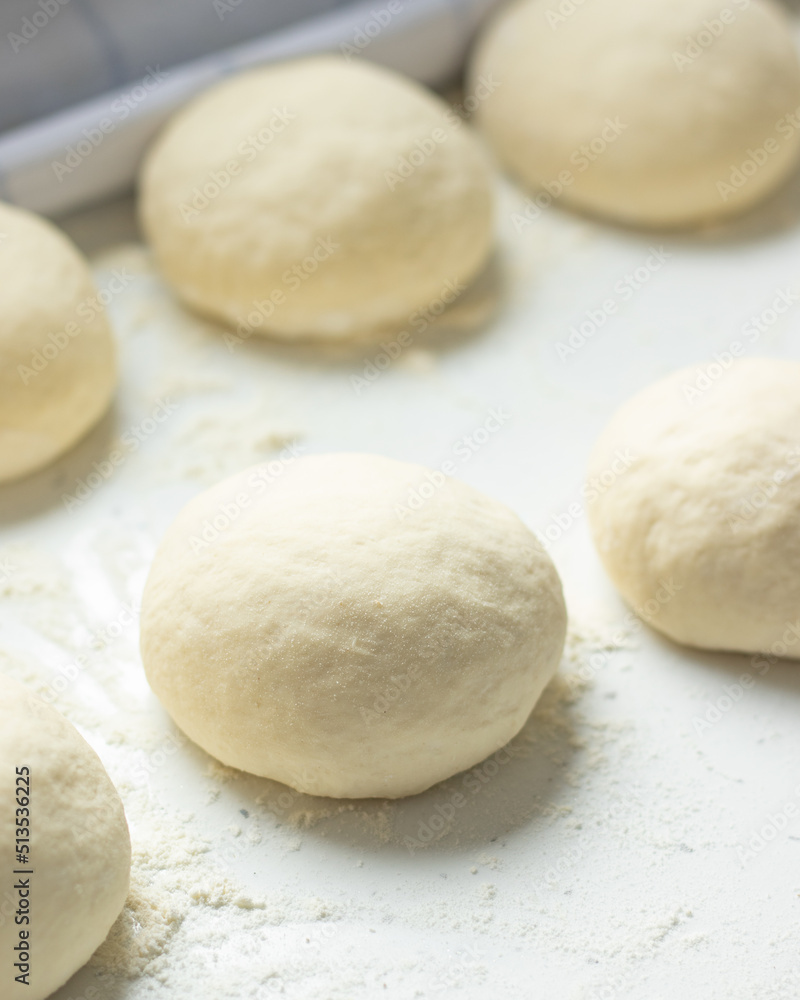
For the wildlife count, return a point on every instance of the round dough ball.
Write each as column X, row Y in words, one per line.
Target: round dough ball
column 317, row 199
column 656, row 112
column 79, row 848
column 355, row 627
column 697, row 513
column 57, row 356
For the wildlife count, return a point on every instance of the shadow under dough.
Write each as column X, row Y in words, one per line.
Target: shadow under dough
column 778, row 212
column 780, row 672
column 507, row 790
column 466, row 319
column 23, row 498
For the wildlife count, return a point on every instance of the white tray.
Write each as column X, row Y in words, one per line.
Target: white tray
column 602, row 858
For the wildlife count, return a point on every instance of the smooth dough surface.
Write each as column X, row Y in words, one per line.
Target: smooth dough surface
column 329, row 640
column 57, row 355
column 648, row 105
column 700, row 526
column 298, row 171
column 79, row 844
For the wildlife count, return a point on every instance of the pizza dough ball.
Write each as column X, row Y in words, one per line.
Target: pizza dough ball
column 60, row 810
column 353, row 627
column 57, row 358
column 317, row 199
column 695, row 505
column 652, row 112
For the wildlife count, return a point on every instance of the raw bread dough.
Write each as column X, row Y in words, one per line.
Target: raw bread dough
column 355, row 627
column 57, row 357
column 697, row 517
column 80, row 851
column 653, row 112
column 317, row 199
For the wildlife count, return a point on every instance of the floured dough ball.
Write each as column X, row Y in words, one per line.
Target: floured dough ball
column 57, row 357
column 652, row 112
column 317, row 199
column 696, row 505
column 62, row 819
column 353, row 627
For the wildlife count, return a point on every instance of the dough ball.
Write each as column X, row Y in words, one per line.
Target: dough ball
column 652, row 112
column 354, row 627
column 79, row 848
column 317, row 199
column 697, row 513
column 57, row 357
